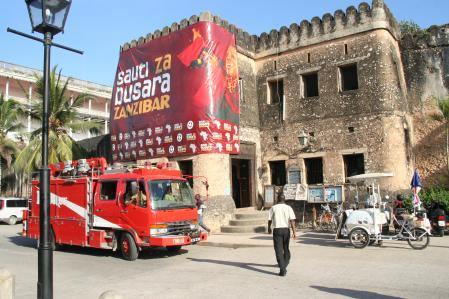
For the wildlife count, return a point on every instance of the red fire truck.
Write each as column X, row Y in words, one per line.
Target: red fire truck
column 129, row 209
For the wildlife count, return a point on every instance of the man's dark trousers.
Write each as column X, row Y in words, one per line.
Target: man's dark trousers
column 281, row 240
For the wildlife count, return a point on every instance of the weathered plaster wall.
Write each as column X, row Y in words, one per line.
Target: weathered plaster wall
column 220, row 206
column 425, row 58
column 376, row 110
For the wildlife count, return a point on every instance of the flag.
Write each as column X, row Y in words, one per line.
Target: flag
column 416, row 187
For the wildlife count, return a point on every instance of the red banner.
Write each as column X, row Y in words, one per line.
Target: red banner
column 177, row 95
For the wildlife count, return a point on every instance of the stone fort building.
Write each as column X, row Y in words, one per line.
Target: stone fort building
column 328, row 98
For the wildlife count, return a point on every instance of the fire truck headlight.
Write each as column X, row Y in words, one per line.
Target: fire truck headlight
column 158, row 229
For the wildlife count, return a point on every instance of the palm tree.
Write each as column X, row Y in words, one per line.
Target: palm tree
column 63, row 118
column 10, row 117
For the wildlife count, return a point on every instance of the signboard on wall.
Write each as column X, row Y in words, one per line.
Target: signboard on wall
column 294, row 175
column 316, row 194
column 177, row 95
column 333, row 194
column 269, row 196
column 295, row 192
column 320, row 194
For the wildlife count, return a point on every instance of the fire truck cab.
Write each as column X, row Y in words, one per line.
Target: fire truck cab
column 129, row 209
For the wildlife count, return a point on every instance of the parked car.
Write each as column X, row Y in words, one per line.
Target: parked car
column 11, row 209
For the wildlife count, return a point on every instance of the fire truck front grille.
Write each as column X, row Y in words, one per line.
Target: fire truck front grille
column 179, row 228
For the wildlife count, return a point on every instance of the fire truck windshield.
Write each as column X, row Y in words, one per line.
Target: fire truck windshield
column 170, row 194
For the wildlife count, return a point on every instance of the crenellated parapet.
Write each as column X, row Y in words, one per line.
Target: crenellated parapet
column 317, row 30
column 329, row 27
column 245, row 41
column 434, row 36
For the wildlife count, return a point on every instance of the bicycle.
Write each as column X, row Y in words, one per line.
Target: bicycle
column 328, row 219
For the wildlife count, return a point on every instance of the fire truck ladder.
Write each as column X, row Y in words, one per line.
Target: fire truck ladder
column 90, row 205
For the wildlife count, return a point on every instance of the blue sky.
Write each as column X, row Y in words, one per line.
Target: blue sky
column 100, row 27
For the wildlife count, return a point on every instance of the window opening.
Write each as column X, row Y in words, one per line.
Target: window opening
column 349, row 79
column 354, row 164
column 277, row 95
column 314, row 170
column 346, row 49
column 310, row 83
column 186, row 168
column 278, row 173
column 308, row 57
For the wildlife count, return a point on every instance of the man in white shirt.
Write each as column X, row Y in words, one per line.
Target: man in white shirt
column 281, row 216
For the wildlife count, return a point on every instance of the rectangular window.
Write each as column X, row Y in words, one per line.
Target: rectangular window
column 108, row 190
column 348, row 77
column 314, row 170
column 278, row 173
column 276, row 91
column 186, row 168
column 310, row 84
column 354, row 164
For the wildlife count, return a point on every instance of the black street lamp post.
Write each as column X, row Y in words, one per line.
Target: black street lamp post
column 47, row 17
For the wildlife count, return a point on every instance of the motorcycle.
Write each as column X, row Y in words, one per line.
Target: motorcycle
column 437, row 221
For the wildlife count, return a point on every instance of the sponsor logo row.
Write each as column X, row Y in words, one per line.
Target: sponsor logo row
column 172, row 128
column 173, row 149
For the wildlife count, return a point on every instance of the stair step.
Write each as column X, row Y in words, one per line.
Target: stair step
column 248, row 222
column 245, row 210
column 244, row 229
column 258, row 215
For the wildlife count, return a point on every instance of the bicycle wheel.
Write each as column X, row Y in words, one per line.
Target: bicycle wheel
column 320, row 224
column 334, row 225
column 418, row 238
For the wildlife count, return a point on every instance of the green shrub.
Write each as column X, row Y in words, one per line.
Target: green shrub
column 438, row 195
column 429, row 196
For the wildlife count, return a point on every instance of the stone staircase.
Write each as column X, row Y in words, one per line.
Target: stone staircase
column 247, row 220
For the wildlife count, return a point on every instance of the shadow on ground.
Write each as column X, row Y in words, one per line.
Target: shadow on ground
column 354, row 293
column 248, row 266
column 22, row 241
column 153, row 253
column 322, row 239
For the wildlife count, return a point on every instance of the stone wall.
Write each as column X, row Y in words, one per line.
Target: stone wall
column 425, row 56
column 395, row 77
column 376, row 111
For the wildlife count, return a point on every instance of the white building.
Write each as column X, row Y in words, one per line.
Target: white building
column 14, row 78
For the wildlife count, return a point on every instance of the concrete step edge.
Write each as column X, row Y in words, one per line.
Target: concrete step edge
column 243, row 229
column 247, row 222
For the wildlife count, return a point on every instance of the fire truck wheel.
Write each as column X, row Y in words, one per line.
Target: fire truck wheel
column 128, row 247
column 12, row 220
column 173, row 249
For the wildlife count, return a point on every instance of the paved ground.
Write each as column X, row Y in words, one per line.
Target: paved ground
column 244, row 268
